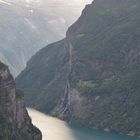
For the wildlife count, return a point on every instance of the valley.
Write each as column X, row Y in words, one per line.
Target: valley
column 91, row 77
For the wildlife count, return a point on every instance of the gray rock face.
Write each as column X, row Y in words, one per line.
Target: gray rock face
column 15, row 123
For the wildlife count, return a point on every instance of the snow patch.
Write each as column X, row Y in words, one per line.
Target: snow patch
column 4, row 2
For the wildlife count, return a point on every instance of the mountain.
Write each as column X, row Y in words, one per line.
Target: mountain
column 92, row 77
column 27, row 26
column 15, row 123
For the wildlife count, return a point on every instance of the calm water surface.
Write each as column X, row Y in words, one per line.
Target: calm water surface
column 55, row 129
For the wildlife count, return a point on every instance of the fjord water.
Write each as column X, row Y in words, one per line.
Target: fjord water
column 55, row 129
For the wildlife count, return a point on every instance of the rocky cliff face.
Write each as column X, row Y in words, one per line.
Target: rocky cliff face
column 92, row 76
column 15, row 124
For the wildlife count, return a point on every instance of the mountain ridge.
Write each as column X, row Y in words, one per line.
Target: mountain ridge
column 26, row 27
column 91, row 77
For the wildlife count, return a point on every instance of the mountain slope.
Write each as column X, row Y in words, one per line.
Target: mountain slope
column 27, row 26
column 15, row 123
column 92, row 76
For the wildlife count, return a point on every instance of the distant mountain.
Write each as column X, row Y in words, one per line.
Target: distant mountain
column 15, row 123
column 92, row 77
column 27, row 26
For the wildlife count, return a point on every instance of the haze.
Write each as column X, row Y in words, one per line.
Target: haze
column 29, row 25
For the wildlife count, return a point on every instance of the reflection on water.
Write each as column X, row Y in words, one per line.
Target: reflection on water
column 51, row 128
column 55, row 129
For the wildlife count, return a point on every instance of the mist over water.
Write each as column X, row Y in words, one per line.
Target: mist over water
column 55, row 129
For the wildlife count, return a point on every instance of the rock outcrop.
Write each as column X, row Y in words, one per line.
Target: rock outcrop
column 15, row 123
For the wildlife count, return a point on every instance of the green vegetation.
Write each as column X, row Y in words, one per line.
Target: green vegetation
column 87, row 87
column 105, row 69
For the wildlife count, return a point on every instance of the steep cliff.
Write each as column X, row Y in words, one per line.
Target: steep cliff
column 15, row 124
column 92, row 76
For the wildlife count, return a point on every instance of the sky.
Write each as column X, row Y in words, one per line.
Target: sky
column 50, row 2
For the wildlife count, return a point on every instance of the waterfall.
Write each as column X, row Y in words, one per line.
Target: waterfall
column 66, row 99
